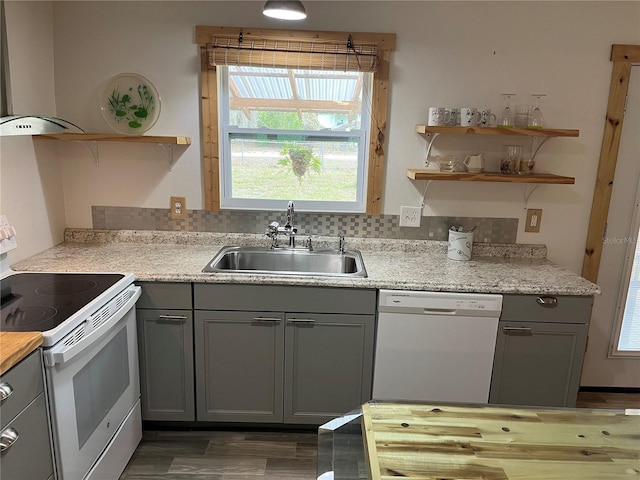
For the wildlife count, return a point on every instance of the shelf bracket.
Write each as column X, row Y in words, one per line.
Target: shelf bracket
column 93, row 148
column 528, row 190
column 168, row 149
column 430, row 139
column 424, row 194
column 536, row 143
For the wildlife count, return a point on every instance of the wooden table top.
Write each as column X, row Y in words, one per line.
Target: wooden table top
column 446, row 442
column 14, row 346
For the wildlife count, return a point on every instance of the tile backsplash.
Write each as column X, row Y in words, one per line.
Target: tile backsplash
column 489, row 230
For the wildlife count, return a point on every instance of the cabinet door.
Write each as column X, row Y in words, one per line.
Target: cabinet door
column 24, row 413
column 165, row 340
column 239, row 366
column 538, row 363
column 328, row 365
column 30, row 456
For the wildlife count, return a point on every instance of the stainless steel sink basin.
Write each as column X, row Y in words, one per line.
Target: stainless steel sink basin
column 287, row 262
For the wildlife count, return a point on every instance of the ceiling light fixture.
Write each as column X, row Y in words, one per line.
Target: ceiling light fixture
column 284, row 9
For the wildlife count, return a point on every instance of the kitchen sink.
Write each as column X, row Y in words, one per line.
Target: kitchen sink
column 287, row 262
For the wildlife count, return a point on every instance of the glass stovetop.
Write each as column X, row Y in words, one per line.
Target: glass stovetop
column 42, row 301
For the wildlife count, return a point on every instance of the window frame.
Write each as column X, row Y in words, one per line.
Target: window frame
column 385, row 42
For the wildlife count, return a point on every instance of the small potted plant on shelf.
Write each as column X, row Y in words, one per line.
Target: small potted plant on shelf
column 300, row 159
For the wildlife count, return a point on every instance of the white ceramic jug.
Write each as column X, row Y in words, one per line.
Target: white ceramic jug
column 474, row 163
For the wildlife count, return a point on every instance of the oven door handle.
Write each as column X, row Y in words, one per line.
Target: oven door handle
column 61, row 353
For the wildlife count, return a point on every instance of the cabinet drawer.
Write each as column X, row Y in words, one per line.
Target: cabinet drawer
column 25, row 382
column 30, row 456
column 278, row 298
column 546, row 308
column 165, row 295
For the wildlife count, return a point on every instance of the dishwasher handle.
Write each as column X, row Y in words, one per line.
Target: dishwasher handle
column 439, row 311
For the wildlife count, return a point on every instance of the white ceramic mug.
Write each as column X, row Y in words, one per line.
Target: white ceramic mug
column 486, row 118
column 451, row 116
column 468, row 117
column 437, row 117
column 474, row 163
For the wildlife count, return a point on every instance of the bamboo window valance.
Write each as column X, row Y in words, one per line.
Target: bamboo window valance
column 344, row 56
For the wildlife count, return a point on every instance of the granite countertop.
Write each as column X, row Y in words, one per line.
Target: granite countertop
column 391, row 264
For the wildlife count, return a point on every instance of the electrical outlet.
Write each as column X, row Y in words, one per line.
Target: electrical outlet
column 410, row 216
column 178, row 208
column 534, row 217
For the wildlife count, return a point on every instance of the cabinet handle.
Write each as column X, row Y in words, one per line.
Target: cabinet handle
column 267, row 319
column 549, row 302
column 7, row 438
column 526, row 331
column 172, row 318
column 5, row 391
column 301, row 320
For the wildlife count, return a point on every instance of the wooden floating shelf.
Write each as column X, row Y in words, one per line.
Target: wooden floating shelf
column 538, row 178
column 527, row 132
column 105, row 137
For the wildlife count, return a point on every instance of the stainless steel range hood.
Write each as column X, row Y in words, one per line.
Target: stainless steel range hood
column 21, row 124
column 34, row 125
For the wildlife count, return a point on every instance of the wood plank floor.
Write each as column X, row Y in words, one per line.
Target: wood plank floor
column 224, row 455
column 608, row 400
column 260, row 455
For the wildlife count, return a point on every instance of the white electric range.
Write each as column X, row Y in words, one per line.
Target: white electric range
column 90, row 353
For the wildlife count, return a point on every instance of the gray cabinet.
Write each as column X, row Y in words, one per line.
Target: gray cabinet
column 239, row 366
column 328, row 365
column 539, row 350
column 165, row 337
column 282, row 354
column 24, row 423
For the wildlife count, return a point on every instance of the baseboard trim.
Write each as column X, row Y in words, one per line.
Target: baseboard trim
column 610, row 389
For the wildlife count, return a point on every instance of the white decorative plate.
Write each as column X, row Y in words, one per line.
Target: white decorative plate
column 130, row 104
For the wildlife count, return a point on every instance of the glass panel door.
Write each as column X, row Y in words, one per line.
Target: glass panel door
column 630, row 332
column 626, row 337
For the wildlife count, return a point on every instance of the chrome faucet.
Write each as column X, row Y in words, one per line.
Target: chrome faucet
column 289, row 229
column 341, row 242
column 274, row 229
column 290, row 212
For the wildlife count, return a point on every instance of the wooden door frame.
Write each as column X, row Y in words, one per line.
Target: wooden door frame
column 623, row 57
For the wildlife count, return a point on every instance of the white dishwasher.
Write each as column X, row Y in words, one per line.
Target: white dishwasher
column 435, row 346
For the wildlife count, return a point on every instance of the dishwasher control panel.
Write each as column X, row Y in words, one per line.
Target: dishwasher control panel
column 441, row 303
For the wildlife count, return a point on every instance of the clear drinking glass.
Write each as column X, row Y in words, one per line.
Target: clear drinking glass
column 510, row 162
column 536, row 119
column 506, row 116
column 521, row 116
column 527, row 166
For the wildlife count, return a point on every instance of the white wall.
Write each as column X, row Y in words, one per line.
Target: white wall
column 448, row 54
column 30, row 178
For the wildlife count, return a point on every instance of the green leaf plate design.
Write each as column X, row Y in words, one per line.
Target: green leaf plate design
column 130, row 104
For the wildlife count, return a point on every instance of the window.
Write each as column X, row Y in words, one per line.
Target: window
column 290, row 134
column 294, row 115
